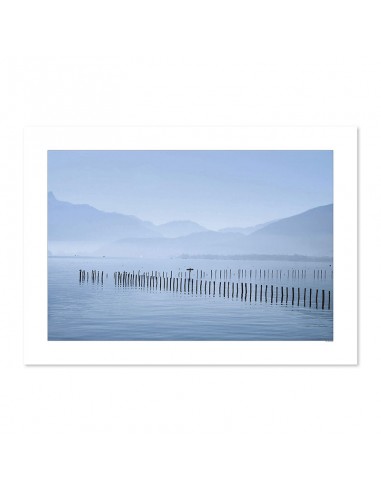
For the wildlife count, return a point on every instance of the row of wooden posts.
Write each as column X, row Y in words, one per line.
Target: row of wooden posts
column 242, row 273
column 244, row 290
column 94, row 276
column 247, row 291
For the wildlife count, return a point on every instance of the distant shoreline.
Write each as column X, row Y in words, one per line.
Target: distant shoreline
column 257, row 257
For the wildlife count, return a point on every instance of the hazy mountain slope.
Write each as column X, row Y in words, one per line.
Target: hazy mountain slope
column 317, row 220
column 309, row 233
column 246, row 230
column 180, row 228
column 69, row 222
column 82, row 229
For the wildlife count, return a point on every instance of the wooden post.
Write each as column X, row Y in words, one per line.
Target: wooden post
column 272, row 294
column 329, row 299
column 322, row 299
column 316, row 298
column 255, row 293
column 298, row 295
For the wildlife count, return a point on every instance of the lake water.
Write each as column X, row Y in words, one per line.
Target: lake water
column 105, row 311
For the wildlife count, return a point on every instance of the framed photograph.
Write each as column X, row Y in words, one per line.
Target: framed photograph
column 190, row 245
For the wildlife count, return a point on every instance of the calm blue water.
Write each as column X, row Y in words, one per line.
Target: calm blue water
column 87, row 311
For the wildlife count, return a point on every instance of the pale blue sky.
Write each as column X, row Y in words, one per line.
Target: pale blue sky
column 214, row 188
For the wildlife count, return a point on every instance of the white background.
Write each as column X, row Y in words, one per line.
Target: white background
column 165, row 428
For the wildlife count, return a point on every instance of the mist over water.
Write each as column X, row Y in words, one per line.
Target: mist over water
column 105, row 311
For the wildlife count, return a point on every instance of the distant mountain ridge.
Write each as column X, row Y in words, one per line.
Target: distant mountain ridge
column 180, row 228
column 247, row 230
column 69, row 222
column 83, row 229
column 308, row 234
column 314, row 220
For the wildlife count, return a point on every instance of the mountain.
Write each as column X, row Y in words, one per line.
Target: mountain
column 317, row 220
column 69, row 222
column 246, row 230
column 309, row 233
column 85, row 230
column 180, row 228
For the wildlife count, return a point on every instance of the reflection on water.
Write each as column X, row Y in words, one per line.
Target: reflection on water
column 96, row 305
